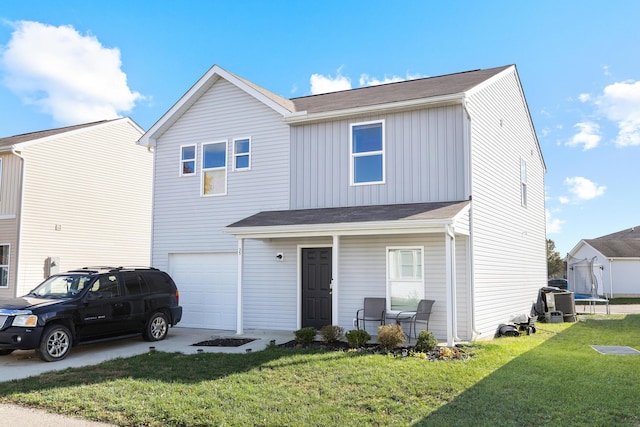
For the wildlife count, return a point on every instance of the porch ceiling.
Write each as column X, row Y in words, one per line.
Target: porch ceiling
column 354, row 220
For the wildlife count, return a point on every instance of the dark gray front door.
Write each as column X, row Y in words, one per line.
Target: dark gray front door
column 316, row 291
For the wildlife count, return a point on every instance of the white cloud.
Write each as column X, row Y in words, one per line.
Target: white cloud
column 564, row 200
column 620, row 103
column 366, row 80
column 325, row 84
column 584, row 189
column 589, row 136
column 584, row 97
column 66, row 74
column 554, row 225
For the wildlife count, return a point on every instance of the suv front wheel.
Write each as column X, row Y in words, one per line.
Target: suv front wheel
column 55, row 343
column 157, row 327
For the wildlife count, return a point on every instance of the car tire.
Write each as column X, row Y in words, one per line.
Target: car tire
column 5, row 352
column 55, row 344
column 157, row 327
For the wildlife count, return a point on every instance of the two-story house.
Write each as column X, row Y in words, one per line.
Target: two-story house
column 276, row 213
column 72, row 197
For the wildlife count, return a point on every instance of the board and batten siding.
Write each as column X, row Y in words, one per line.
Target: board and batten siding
column 10, row 184
column 87, row 200
column 509, row 240
column 185, row 221
column 425, row 160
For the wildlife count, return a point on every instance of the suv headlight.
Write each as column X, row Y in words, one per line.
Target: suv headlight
column 25, row 321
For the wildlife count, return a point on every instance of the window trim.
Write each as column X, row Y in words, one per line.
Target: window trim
column 8, row 265
column 247, row 154
column 523, row 182
column 420, row 281
column 205, row 170
column 353, row 156
column 183, row 161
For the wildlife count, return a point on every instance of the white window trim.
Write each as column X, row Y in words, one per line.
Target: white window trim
column 225, row 168
column 422, row 280
column 523, row 182
column 8, row 265
column 236, row 155
column 352, row 155
column 183, row 161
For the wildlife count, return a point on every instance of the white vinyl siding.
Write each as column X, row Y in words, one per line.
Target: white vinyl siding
column 222, row 113
column 523, row 182
column 11, row 178
column 87, row 201
column 509, row 243
column 425, row 161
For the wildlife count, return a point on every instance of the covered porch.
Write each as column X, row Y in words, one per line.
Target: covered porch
column 355, row 244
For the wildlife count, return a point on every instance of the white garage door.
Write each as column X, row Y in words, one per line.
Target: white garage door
column 207, row 283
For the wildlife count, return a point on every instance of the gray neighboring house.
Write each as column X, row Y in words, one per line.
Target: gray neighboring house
column 275, row 213
column 71, row 197
column 610, row 264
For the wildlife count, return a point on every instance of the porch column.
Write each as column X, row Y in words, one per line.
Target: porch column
column 335, row 256
column 450, row 277
column 239, row 326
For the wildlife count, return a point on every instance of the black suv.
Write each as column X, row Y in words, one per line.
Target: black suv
column 89, row 305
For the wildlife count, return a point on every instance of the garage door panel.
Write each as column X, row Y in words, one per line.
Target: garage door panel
column 207, row 284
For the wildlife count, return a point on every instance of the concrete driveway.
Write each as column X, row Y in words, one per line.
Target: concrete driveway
column 25, row 363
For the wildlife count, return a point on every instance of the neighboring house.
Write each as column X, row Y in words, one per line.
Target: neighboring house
column 276, row 213
column 607, row 266
column 72, row 197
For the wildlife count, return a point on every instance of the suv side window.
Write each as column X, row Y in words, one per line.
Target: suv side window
column 134, row 284
column 158, row 281
column 108, row 286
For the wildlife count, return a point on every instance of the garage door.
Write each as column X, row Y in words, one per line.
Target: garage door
column 207, row 284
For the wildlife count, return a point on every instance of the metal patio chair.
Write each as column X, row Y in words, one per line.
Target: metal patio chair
column 421, row 315
column 373, row 311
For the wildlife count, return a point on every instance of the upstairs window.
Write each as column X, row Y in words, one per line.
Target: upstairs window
column 188, row 160
column 523, row 182
column 4, row 266
column 242, row 154
column 367, row 153
column 405, row 283
column 214, row 169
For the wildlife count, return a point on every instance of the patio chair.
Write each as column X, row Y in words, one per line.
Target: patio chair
column 421, row 315
column 373, row 311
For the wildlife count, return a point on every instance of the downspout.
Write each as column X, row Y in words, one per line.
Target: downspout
column 610, row 279
column 239, row 309
column 453, row 289
column 19, row 219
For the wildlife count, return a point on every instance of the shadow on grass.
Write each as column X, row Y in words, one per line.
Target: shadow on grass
column 165, row 367
column 563, row 381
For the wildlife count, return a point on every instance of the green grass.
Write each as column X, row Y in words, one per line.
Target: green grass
column 550, row 378
column 624, row 301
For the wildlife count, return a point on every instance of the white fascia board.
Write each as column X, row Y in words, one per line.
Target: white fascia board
column 22, row 145
column 341, row 229
column 577, row 247
column 189, row 98
column 458, row 218
column 303, row 116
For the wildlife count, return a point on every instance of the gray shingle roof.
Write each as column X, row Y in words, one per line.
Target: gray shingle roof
column 621, row 244
column 413, row 211
column 396, row 92
column 26, row 137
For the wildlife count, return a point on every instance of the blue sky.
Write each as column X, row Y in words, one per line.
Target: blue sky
column 69, row 62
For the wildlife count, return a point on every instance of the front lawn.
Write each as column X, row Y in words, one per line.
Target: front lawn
column 550, row 378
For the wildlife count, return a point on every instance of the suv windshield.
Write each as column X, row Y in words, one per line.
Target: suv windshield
column 62, row 286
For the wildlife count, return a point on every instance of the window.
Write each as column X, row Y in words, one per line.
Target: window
column 242, row 154
column 367, row 153
column 4, row 266
column 523, row 182
column 188, row 160
column 405, row 278
column 214, row 169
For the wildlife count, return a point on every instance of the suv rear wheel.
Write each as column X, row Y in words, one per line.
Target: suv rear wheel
column 157, row 327
column 55, row 344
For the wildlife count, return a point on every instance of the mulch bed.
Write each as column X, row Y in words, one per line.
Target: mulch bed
column 224, row 342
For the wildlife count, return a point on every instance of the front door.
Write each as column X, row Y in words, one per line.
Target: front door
column 316, row 287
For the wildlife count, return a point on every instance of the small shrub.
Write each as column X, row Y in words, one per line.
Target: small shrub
column 357, row 338
column 305, row 335
column 426, row 342
column 331, row 334
column 390, row 336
